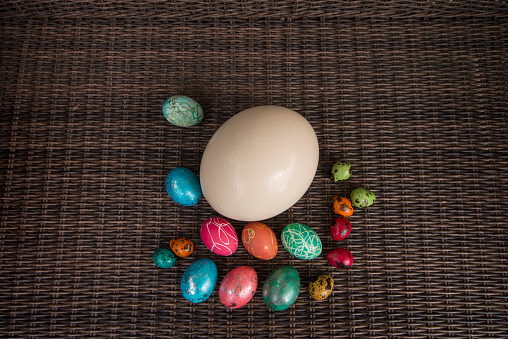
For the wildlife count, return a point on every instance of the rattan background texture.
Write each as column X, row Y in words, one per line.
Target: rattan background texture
column 413, row 93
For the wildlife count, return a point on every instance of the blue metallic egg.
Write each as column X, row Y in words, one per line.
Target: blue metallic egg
column 183, row 186
column 199, row 280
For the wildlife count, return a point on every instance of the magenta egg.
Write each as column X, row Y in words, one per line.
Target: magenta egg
column 341, row 227
column 238, row 287
column 219, row 236
column 340, row 258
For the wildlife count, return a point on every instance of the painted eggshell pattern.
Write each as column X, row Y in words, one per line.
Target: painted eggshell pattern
column 182, row 111
column 301, row 241
column 341, row 170
column 321, row 288
column 281, row 288
column 164, row 258
column 340, row 229
column 183, row 186
column 219, row 236
column 342, row 206
column 362, row 197
column 340, row 258
column 259, row 240
column 238, row 287
column 199, row 280
column 182, row 247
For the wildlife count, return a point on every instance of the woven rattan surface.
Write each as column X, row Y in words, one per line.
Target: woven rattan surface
column 414, row 94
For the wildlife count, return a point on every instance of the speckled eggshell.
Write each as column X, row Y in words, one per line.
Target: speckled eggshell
column 361, row 197
column 281, row 288
column 340, row 258
column 199, row 280
column 259, row 240
column 219, row 236
column 182, row 111
column 342, row 206
column 183, row 186
column 164, row 258
column 340, row 229
column 301, row 241
column 321, row 288
column 238, row 287
column 182, row 247
column 341, row 170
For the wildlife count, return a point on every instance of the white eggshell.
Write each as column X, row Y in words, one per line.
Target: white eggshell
column 259, row 163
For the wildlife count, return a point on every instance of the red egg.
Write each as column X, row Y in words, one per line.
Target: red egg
column 219, row 236
column 340, row 258
column 341, row 227
column 238, row 287
column 259, row 240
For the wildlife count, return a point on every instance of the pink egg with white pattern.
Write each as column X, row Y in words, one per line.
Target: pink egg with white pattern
column 219, row 236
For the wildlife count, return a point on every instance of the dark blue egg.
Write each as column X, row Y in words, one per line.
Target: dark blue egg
column 199, row 280
column 183, row 186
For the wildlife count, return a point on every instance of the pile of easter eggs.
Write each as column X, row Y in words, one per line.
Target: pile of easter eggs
column 282, row 286
column 341, row 227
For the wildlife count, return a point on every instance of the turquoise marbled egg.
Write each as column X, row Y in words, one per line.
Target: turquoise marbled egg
column 183, row 186
column 164, row 258
column 199, row 280
column 301, row 241
column 182, row 111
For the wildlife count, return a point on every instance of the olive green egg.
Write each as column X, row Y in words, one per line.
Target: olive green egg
column 321, row 288
column 281, row 288
column 360, row 197
column 341, row 170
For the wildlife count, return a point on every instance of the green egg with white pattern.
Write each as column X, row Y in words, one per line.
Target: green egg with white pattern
column 182, row 111
column 301, row 241
column 361, row 197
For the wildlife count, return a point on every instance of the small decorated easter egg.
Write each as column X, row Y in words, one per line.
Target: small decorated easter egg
column 341, row 170
column 342, row 206
column 182, row 111
column 340, row 258
column 164, row 258
column 259, row 240
column 183, row 186
column 301, row 241
column 238, row 287
column 341, row 227
column 219, row 236
column 199, row 280
column 362, row 197
column 182, row 247
column 281, row 288
column 321, row 288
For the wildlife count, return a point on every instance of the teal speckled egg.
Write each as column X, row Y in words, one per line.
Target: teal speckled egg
column 360, row 197
column 183, row 186
column 164, row 258
column 281, row 288
column 301, row 241
column 182, row 111
column 341, row 170
column 199, row 280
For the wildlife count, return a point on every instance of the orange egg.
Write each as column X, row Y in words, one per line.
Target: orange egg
column 342, row 206
column 259, row 240
column 182, row 247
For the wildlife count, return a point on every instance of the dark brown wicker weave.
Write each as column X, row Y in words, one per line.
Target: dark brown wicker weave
column 413, row 93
